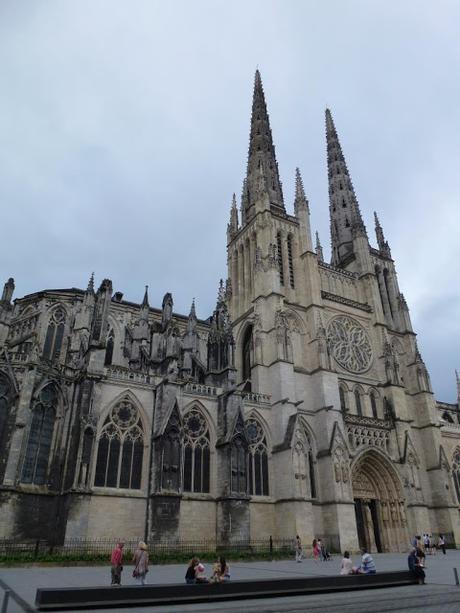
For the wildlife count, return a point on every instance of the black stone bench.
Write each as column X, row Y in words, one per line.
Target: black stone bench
column 48, row 599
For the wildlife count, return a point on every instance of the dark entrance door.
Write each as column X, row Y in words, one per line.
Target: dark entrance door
column 375, row 522
column 360, row 523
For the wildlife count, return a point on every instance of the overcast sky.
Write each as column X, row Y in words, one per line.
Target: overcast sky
column 124, row 129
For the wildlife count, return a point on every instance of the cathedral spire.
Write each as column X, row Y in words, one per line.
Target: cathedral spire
column 262, row 178
column 319, row 249
column 382, row 243
column 192, row 319
column 345, row 215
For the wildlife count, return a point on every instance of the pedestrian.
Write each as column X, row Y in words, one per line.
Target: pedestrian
column 316, row 550
column 367, row 563
column 190, row 574
column 298, row 549
column 347, row 564
column 426, row 543
column 116, row 561
column 414, row 566
column 141, row 563
column 414, row 541
column 442, row 544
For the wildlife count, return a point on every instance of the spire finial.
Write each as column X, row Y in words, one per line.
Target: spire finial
column 90, row 288
column 319, row 249
column 382, row 243
column 145, row 301
column 233, row 224
column 192, row 310
column 300, row 198
column 345, row 215
column 221, row 292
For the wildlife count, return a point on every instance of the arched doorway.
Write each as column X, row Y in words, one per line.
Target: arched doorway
column 379, row 504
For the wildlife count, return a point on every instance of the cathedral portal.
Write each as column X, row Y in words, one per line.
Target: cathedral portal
column 379, row 504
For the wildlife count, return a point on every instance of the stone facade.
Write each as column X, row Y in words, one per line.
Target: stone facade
column 301, row 406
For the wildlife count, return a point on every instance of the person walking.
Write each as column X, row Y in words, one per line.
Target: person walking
column 316, row 550
column 141, row 563
column 442, row 544
column 415, row 567
column 298, row 549
column 116, row 561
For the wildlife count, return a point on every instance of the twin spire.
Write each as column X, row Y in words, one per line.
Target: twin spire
column 262, row 183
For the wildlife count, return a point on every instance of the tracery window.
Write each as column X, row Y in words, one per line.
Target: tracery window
column 54, row 335
column 456, row 473
column 36, row 459
column 258, row 459
column 109, row 349
column 373, row 405
column 196, row 452
column 359, row 408
column 120, row 448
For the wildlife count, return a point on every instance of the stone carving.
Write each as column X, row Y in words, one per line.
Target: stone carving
column 349, row 344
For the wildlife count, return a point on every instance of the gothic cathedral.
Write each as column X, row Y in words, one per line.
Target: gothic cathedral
column 302, row 405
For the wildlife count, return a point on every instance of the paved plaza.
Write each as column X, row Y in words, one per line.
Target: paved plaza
column 440, row 594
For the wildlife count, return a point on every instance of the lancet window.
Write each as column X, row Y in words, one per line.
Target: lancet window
column 359, row 408
column 373, row 405
column 280, row 257
column 343, row 399
column 290, row 261
column 54, row 335
column 196, row 452
column 258, row 459
column 109, row 349
column 37, row 455
column 247, row 354
column 239, row 461
column 456, row 473
column 120, row 448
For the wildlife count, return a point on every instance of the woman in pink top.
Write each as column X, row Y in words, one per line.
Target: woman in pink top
column 316, row 550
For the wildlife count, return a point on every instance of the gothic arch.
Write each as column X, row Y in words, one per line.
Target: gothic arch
column 379, row 502
column 199, row 406
column 258, row 456
column 255, row 414
column 124, row 395
column 456, row 472
column 196, row 450
column 57, row 318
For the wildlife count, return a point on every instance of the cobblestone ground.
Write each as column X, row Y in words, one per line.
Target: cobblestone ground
column 439, row 594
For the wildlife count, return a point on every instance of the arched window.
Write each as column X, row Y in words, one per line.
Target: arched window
column 36, row 459
column 109, row 349
column 54, row 335
column 247, row 354
column 343, row 399
column 280, row 257
column 290, row 261
column 196, row 453
column 374, row 405
column 359, row 408
column 121, row 448
column 456, row 472
column 258, row 459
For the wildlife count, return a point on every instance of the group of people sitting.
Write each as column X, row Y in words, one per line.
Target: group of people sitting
column 367, row 566
column 196, row 572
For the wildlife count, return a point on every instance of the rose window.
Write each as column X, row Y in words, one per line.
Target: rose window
column 349, row 344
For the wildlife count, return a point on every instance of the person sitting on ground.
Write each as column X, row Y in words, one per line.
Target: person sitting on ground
column 415, row 567
column 220, row 571
column 367, row 563
column 347, row 565
column 200, row 576
column 190, row 574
